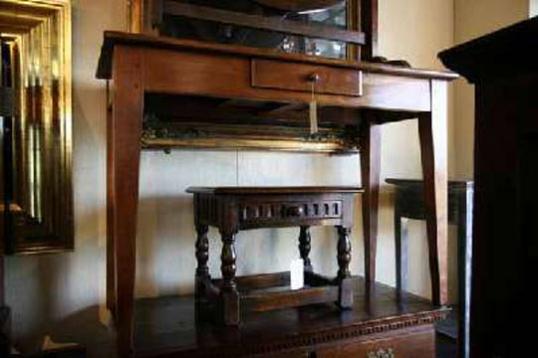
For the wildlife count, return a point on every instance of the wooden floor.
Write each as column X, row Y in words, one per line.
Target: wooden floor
column 168, row 324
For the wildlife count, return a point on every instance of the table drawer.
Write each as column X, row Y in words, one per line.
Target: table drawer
column 414, row 343
column 298, row 77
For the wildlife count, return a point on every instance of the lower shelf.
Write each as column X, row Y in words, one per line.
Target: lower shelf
column 272, row 291
column 380, row 318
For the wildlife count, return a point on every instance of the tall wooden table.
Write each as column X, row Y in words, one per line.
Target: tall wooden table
column 409, row 204
column 141, row 64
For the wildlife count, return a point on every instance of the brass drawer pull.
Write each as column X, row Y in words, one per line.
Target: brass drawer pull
column 314, row 77
column 381, row 353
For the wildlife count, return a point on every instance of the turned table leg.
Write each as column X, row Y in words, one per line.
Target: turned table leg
column 202, row 256
column 123, row 165
column 345, row 296
column 305, row 246
column 433, row 141
column 229, row 294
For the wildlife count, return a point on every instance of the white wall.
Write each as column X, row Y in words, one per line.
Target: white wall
column 414, row 30
column 473, row 19
column 533, row 8
column 65, row 293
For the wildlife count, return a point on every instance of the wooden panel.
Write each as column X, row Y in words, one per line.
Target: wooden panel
column 393, row 92
column 299, row 77
column 204, row 74
column 403, row 343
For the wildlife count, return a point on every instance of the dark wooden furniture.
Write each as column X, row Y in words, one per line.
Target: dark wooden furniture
column 409, row 204
column 504, row 68
column 380, row 324
column 141, row 66
column 233, row 209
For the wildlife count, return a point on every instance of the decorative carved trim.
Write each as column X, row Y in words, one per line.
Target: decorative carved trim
column 382, row 353
column 278, row 211
column 161, row 134
column 371, row 327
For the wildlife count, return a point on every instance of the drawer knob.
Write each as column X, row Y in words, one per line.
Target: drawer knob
column 314, row 77
column 294, row 211
column 381, row 353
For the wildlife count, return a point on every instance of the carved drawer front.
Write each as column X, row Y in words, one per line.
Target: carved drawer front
column 290, row 211
column 399, row 344
column 300, row 77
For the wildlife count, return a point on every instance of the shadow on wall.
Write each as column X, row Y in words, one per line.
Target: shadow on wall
column 81, row 327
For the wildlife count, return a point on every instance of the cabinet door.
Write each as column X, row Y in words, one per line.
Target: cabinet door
column 404, row 343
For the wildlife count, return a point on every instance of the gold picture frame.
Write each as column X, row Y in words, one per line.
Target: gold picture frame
column 38, row 159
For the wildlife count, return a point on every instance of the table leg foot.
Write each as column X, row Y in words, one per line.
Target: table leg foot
column 230, row 308
column 345, row 293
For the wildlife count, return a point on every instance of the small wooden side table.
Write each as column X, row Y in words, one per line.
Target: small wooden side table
column 232, row 209
column 409, row 204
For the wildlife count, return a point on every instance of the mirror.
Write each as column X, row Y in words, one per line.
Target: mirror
column 35, row 126
column 171, row 18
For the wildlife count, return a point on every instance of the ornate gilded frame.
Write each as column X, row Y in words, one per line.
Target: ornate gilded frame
column 40, row 218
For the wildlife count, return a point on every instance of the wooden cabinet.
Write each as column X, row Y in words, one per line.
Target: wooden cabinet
column 504, row 68
column 380, row 322
column 403, row 343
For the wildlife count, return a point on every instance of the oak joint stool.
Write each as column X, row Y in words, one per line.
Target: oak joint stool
column 232, row 209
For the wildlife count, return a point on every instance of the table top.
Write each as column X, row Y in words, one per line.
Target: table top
column 113, row 38
column 275, row 190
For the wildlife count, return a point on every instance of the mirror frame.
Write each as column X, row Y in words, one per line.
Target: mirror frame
column 40, row 202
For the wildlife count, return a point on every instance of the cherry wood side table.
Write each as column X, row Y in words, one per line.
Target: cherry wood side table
column 409, row 204
column 232, row 209
column 377, row 93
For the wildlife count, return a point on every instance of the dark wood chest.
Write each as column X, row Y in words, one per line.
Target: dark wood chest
column 381, row 324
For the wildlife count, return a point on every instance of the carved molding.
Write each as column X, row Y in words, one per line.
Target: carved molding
column 335, row 335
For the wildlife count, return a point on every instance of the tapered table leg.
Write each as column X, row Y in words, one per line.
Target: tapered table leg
column 401, row 249
column 123, row 157
column 229, row 294
column 370, row 172
column 433, row 140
